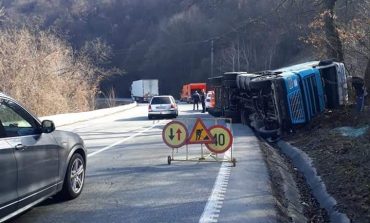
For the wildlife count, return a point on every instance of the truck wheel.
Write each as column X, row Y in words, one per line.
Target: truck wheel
column 234, row 115
column 261, row 83
column 210, row 111
column 230, row 76
column 256, row 124
column 215, row 112
column 244, row 117
column 229, row 84
column 212, row 81
column 325, row 62
column 265, row 133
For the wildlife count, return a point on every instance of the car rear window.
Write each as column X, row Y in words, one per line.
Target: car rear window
column 161, row 100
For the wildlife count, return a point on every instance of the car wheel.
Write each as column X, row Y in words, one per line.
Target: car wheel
column 74, row 178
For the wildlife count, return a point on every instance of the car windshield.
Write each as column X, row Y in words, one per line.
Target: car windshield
column 161, row 100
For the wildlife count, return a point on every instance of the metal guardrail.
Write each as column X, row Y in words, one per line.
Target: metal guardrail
column 108, row 102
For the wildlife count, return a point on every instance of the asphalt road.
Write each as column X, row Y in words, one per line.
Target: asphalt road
column 130, row 180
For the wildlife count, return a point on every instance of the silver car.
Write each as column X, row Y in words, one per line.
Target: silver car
column 36, row 161
column 164, row 105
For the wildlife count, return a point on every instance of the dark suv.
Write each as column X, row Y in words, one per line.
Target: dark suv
column 36, row 161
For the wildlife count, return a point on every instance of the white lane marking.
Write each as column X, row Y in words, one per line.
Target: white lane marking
column 214, row 204
column 121, row 141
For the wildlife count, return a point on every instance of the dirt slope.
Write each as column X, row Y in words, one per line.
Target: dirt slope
column 339, row 144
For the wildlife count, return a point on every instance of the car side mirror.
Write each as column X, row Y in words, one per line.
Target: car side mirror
column 47, row 126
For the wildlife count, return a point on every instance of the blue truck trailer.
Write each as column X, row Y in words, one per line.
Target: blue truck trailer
column 275, row 101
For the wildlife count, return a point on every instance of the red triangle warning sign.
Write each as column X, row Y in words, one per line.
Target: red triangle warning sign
column 200, row 134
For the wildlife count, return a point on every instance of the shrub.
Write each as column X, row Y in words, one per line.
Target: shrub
column 44, row 73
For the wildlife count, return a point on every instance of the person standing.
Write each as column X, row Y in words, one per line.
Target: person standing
column 203, row 100
column 196, row 98
column 359, row 86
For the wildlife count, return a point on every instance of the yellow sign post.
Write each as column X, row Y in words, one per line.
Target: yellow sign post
column 200, row 134
column 174, row 134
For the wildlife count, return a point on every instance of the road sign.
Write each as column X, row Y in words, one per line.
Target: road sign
column 174, row 134
column 223, row 139
column 200, row 134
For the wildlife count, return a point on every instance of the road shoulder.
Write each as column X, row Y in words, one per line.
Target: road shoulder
column 249, row 195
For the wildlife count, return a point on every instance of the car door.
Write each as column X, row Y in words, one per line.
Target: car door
column 36, row 153
column 8, row 173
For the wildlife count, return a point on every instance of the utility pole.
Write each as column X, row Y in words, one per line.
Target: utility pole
column 212, row 58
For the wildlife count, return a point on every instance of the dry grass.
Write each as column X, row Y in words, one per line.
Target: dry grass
column 42, row 72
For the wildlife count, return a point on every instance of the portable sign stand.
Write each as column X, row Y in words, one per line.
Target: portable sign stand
column 218, row 139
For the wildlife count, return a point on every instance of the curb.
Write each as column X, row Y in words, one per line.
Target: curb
column 289, row 188
column 304, row 164
column 68, row 119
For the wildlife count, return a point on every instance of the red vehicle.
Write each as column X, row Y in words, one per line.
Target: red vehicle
column 189, row 89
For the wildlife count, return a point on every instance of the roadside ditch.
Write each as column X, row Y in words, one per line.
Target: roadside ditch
column 294, row 200
column 329, row 162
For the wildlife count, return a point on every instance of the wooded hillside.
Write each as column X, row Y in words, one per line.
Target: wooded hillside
column 172, row 39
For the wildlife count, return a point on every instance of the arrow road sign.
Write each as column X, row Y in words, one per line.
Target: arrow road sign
column 171, row 134
column 178, row 132
column 174, row 134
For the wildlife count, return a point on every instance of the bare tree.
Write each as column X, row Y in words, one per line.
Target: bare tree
column 354, row 32
column 230, row 57
column 2, row 11
column 333, row 42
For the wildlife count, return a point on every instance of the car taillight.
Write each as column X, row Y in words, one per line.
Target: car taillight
column 150, row 108
column 173, row 106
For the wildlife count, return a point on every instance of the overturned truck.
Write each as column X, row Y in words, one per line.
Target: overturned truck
column 275, row 101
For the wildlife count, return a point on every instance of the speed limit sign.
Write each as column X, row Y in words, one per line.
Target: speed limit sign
column 222, row 139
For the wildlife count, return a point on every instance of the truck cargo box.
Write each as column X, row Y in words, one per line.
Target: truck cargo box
column 144, row 90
